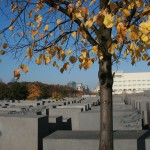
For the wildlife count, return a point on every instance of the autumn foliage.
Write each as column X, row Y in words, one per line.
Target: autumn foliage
column 35, row 90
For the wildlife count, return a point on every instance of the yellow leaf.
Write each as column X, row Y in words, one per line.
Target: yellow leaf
column 24, row 68
column 134, row 33
column 30, row 24
column 69, row 51
column 139, row 3
column 125, row 12
column 38, row 61
column 131, row 5
column 112, row 48
column 113, row 6
column 50, row 34
column 95, row 49
column 80, row 66
column 46, row 27
column 72, row 59
column 142, row 48
column 132, row 46
column 134, row 59
column 39, row 25
column 84, row 53
column 74, row 34
column 145, row 57
column 84, row 10
column 144, row 27
column 89, row 23
column 47, row 59
column 137, row 53
column 122, row 30
column 29, row 52
column 78, row 4
column 65, row 66
column 33, row 33
column 62, row 70
column 55, row 64
column 16, row 73
column 126, row 53
column 78, row 14
column 11, row 28
column 108, row 20
column 92, row 1
column 41, row 35
column 2, row 52
column 89, row 63
column 4, row 45
column 38, row 18
column 144, row 38
column 59, row 21
column 84, row 35
column 30, row 14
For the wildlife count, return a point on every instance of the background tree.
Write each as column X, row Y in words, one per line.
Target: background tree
column 61, row 32
column 2, row 91
column 16, row 90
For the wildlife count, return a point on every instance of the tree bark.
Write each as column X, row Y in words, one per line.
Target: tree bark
column 106, row 113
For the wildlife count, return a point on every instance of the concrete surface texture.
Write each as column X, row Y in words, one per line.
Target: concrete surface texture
column 89, row 140
column 35, row 125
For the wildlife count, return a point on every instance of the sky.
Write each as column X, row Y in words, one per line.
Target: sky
column 49, row 75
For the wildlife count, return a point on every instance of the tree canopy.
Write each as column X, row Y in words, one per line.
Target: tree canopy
column 70, row 30
column 65, row 32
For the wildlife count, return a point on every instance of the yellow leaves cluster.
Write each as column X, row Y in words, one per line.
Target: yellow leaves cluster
column 85, row 60
column 139, row 3
column 43, row 58
column 112, row 48
column 145, row 38
column 38, row 18
column 144, row 27
column 126, row 12
column 122, row 31
column 89, row 23
column 108, row 20
column 134, row 33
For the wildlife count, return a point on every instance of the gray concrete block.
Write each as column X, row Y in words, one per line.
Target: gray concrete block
column 72, row 113
column 22, row 132
column 89, row 140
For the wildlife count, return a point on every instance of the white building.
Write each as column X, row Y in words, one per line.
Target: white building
column 79, row 86
column 130, row 82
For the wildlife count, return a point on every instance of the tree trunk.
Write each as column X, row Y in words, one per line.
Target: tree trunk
column 106, row 114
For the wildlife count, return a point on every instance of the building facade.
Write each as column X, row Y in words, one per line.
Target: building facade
column 130, row 82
